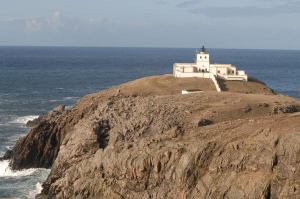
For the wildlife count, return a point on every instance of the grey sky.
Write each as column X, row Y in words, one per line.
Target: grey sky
column 258, row 24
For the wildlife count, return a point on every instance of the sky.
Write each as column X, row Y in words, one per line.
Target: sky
column 237, row 24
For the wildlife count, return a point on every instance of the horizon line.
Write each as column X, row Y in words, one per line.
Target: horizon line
column 67, row 46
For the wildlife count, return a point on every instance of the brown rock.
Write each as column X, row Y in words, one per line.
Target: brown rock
column 146, row 147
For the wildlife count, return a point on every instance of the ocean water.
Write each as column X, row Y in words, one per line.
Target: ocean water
column 34, row 80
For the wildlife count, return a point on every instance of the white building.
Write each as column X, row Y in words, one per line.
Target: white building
column 203, row 69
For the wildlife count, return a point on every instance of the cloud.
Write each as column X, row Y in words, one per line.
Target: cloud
column 7, row 19
column 283, row 1
column 162, row 2
column 32, row 26
column 249, row 11
column 53, row 24
column 56, row 21
column 188, row 3
column 97, row 21
column 297, row 3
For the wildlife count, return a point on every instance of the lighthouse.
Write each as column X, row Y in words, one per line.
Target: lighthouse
column 203, row 69
column 203, row 61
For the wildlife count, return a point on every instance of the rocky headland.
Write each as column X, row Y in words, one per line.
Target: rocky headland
column 144, row 139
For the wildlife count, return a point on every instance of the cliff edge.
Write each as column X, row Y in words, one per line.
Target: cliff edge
column 143, row 139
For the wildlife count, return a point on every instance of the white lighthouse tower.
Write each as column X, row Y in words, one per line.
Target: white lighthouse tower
column 203, row 61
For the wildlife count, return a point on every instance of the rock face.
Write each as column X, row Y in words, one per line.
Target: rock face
column 39, row 147
column 57, row 111
column 140, row 142
column 32, row 123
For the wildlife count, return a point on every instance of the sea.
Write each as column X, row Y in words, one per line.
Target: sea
column 33, row 80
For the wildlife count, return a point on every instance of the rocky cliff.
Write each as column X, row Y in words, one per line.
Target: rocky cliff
column 144, row 139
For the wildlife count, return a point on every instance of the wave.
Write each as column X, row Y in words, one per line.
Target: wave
column 9, row 147
column 4, row 149
column 24, row 119
column 6, row 171
column 37, row 190
column 70, row 98
column 68, row 107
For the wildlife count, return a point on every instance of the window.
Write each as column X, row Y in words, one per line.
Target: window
column 205, row 57
column 200, row 57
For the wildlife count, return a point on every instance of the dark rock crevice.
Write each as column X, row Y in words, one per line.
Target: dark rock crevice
column 205, row 122
column 268, row 192
column 102, row 131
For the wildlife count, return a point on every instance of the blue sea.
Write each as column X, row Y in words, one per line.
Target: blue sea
column 34, row 80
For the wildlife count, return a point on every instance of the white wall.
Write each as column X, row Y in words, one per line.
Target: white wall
column 231, row 71
column 234, row 77
column 203, row 62
column 241, row 72
column 188, row 69
column 202, row 57
column 222, row 65
column 202, row 75
column 222, row 71
column 213, row 70
column 185, row 64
